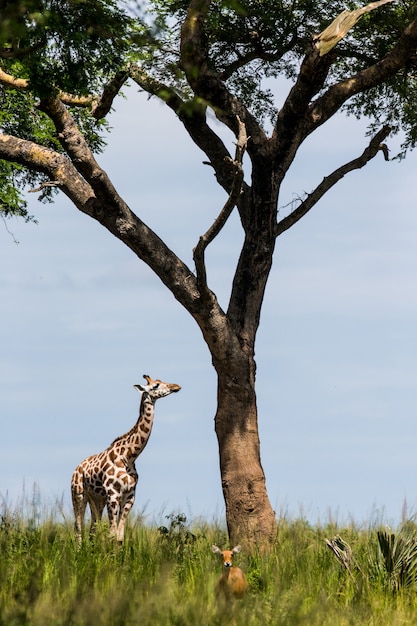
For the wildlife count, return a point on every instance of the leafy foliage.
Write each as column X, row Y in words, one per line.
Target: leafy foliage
column 73, row 45
column 12, row 201
column 251, row 42
column 77, row 46
column 399, row 556
column 20, row 116
column 394, row 102
column 177, row 533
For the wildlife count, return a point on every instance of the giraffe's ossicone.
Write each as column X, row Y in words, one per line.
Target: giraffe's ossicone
column 109, row 478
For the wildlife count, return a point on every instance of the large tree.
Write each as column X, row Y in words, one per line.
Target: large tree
column 62, row 64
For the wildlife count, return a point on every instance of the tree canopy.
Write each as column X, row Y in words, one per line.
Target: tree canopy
column 86, row 50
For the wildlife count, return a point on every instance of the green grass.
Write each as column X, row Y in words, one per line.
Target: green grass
column 166, row 576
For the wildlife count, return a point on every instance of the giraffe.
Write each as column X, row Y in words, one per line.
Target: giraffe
column 109, row 478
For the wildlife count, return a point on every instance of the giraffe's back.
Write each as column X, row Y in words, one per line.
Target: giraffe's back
column 88, row 476
column 105, row 472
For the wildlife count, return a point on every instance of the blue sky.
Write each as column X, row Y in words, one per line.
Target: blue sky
column 83, row 320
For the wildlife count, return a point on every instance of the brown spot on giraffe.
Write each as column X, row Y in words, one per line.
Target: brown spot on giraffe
column 109, row 478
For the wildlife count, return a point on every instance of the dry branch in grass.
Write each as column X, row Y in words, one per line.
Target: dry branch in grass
column 342, row 551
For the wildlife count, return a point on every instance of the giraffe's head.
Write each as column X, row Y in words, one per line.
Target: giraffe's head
column 156, row 388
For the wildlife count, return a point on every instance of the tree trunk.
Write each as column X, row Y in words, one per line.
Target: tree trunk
column 249, row 515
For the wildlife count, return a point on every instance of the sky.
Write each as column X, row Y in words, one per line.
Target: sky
column 82, row 320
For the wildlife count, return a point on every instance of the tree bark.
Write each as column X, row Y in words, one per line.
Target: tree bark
column 249, row 515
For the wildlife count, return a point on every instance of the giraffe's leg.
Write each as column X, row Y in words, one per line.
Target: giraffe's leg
column 125, row 508
column 79, row 513
column 113, row 507
column 96, row 508
column 79, row 503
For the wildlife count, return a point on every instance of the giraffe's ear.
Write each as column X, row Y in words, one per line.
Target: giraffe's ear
column 139, row 388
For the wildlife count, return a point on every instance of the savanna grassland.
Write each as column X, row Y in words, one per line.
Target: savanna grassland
column 166, row 575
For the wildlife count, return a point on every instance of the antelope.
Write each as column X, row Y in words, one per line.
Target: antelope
column 232, row 583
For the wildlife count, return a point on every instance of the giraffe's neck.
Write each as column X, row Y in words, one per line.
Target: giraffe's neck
column 132, row 443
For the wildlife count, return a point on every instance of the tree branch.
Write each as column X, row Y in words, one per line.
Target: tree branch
column 75, row 145
column 250, row 56
column 111, row 212
column 301, row 115
column 325, row 106
column 23, row 84
column 16, row 53
column 258, row 53
column 156, row 88
column 86, row 185
column 205, row 82
column 329, row 181
column 56, row 166
column 192, row 114
column 289, row 130
column 46, row 183
column 220, row 221
column 11, row 81
column 342, row 551
column 102, row 105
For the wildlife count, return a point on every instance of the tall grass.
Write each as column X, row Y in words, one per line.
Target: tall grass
column 166, row 576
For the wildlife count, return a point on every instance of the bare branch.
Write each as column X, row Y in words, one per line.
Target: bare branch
column 220, row 221
column 47, row 183
column 102, row 106
column 247, row 58
column 16, row 241
column 344, row 554
column 342, row 551
column 331, row 35
column 329, row 181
